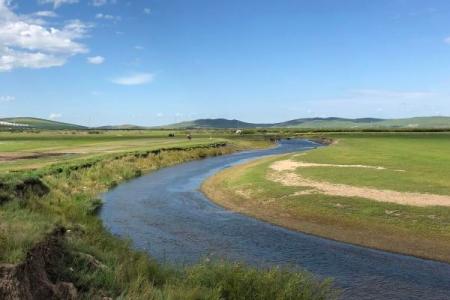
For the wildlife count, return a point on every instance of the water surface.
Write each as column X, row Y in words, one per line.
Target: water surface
column 165, row 214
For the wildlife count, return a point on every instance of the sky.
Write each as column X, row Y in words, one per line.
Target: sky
column 154, row 62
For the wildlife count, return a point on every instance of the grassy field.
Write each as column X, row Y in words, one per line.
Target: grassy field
column 312, row 195
column 40, row 193
column 28, row 149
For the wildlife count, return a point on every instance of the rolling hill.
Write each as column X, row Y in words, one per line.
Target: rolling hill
column 121, row 127
column 303, row 123
column 216, row 123
column 324, row 123
column 36, row 123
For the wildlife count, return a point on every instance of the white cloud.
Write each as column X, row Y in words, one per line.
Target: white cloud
column 96, row 60
column 27, row 42
column 45, row 14
column 54, row 116
column 147, row 11
column 4, row 99
column 138, row 47
column 447, row 40
column 134, row 79
column 57, row 3
column 107, row 17
column 10, row 59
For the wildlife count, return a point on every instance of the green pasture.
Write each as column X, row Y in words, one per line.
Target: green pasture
column 414, row 162
column 423, row 158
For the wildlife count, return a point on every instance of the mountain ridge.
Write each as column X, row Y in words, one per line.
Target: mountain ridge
column 433, row 122
column 321, row 123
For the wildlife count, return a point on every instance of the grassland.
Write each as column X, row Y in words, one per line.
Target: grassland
column 41, row 191
column 405, row 163
column 36, row 149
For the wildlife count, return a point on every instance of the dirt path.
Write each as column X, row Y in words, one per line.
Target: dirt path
column 282, row 172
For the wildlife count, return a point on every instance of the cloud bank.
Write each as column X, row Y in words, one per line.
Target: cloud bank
column 28, row 42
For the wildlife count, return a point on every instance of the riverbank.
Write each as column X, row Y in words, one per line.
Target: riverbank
column 311, row 193
column 97, row 264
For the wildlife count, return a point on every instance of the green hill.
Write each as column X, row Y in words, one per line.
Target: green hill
column 216, row 123
column 36, row 123
column 368, row 123
column 121, row 127
column 325, row 123
column 303, row 123
column 332, row 122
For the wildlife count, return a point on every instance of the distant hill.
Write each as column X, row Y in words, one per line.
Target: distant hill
column 324, row 123
column 121, row 127
column 304, row 123
column 36, row 123
column 216, row 123
column 331, row 122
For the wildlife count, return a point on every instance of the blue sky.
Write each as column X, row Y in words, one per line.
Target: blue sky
column 151, row 62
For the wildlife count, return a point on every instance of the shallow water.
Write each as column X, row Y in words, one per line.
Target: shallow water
column 165, row 214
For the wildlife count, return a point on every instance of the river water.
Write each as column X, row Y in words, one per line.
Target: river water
column 165, row 214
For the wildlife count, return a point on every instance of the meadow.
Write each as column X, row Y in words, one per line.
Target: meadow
column 44, row 193
column 383, row 190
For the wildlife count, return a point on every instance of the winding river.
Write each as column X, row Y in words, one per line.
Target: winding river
column 165, row 214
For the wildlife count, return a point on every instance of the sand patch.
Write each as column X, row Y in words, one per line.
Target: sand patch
column 247, row 194
column 290, row 165
column 282, row 173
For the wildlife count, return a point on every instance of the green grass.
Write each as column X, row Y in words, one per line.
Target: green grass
column 71, row 201
column 423, row 157
column 24, row 150
column 420, row 231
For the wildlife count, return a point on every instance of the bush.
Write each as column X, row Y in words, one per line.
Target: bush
column 236, row 281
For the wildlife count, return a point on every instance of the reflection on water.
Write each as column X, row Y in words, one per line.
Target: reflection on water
column 165, row 214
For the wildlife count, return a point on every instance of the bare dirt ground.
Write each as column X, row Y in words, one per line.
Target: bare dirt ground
column 282, row 172
column 14, row 156
column 34, row 278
